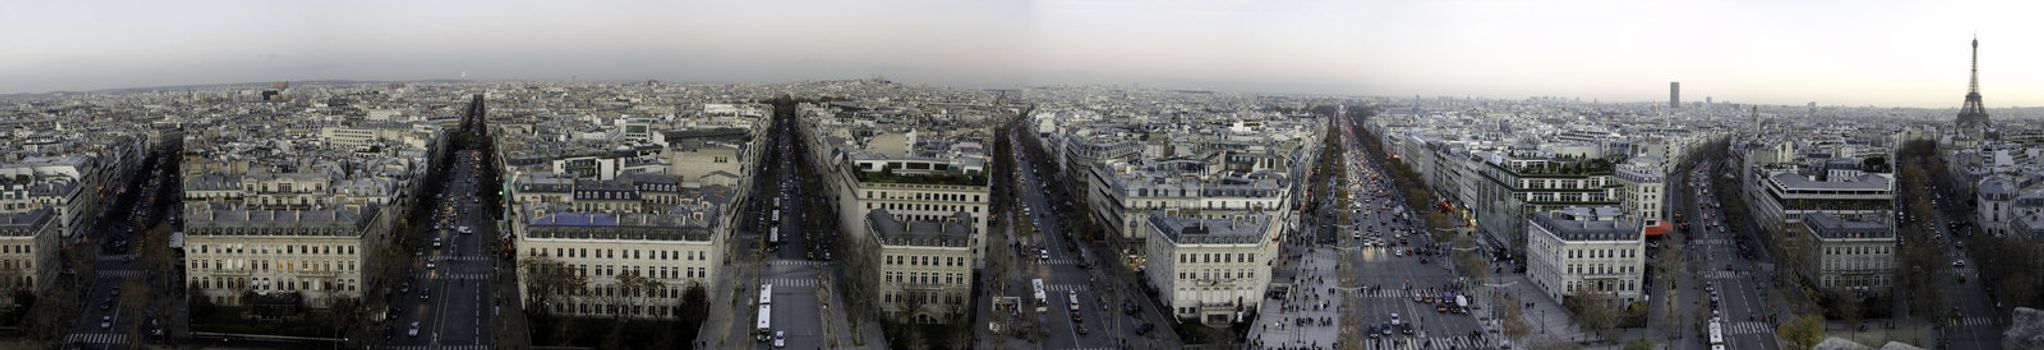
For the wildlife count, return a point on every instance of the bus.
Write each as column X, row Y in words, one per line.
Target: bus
column 1717, row 335
column 1042, row 296
column 777, row 216
column 765, row 328
column 774, row 235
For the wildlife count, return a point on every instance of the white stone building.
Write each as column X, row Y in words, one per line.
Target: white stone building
column 1214, row 271
column 1594, row 248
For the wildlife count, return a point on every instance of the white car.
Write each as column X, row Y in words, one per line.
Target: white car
column 106, row 322
column 430, row 265
column 414, row 331
column 780, row 340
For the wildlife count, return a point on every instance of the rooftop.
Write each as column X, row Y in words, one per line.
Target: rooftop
column 1829, row 226
column 953, row 232
column 1588, row 224
column 1239, row 229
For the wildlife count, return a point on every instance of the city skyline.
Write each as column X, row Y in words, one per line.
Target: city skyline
column 1904, row 54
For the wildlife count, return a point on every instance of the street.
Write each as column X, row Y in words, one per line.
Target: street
column 1074, row 267
column 447, row 292
column 1398, row 265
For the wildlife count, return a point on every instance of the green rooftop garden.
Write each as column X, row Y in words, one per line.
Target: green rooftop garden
column 955, row 179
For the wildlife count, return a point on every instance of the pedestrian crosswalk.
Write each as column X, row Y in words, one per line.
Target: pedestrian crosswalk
column 1725, row 275
column 436, row 347
column 1437, row 343
column 1749, row 327
column 457, row 276
column 96, row 338
column 465, row 258
column 1063, row 261
column 790, row 282
column 1384, row 293
column 778, row 262
column 1965, row 272
column 119, row 273
column 1971, row 321
column 112, row 258
column 1065, row 287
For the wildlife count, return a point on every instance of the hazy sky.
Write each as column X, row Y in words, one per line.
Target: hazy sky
column 1886, row 53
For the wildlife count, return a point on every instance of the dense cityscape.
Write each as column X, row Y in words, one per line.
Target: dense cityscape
column 829, row 212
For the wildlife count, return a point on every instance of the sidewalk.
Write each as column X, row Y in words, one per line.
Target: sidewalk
column 1277, row 324
column 1545, row 315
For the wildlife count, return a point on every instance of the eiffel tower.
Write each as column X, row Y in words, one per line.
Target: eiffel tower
column 1973, row 117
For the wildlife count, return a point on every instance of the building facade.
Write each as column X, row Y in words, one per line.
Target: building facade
column 1852, row 254
column 1213, row 271
column 1591, row 249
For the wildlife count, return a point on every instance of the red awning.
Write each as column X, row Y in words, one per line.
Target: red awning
column 1659, row 230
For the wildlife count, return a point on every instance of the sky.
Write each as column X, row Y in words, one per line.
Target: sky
column 1849, row 53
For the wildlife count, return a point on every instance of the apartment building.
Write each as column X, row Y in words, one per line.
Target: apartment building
column 1851, row 253
column 1515, row 185
column 1128, row 192
column 1212, row 270
column 236, row 255
column 920, row 269
column 913, row 189
column 677, row 247
column 1642, row 191
column 29, row 251
column 1781, row 195
column 1593, row 249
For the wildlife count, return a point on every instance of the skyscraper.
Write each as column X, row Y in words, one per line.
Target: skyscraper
column 1674, row 95
column 1973, row 116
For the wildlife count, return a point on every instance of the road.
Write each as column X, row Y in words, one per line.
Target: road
column 1976, row 324
column 1739, row 284
column 115, row 243
column 1384, row 235
column 1101, row 299
column 447, row 290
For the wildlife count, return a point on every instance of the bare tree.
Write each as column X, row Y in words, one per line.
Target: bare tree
column 1592, row 310
column 549, row 281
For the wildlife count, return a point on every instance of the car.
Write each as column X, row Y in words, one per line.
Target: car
column 423, row 295
column 429, row 265
column 414, row 332
column 1144, row 328
column 1082, row 330
column 436, row 242
column 106, row 322
column 1375, row 332
column 1955, row 263
column 780, row 339
column 405, row 288
column 117, row 291
column 106, row 304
